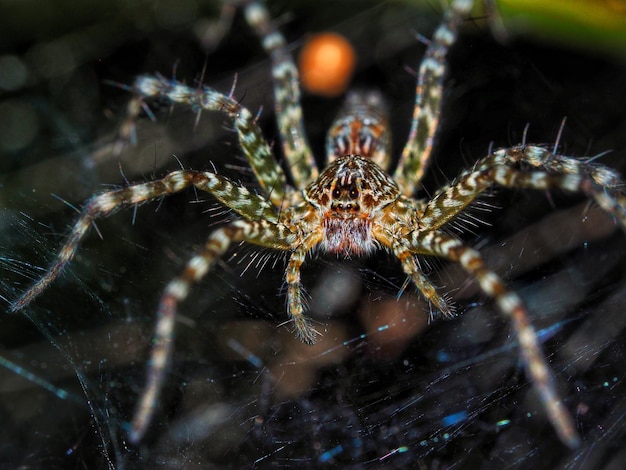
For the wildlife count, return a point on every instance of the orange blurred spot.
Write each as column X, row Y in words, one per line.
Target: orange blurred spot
column 391, row 325
column 326, row 64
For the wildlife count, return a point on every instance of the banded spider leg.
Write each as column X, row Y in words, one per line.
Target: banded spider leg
column 549, row 171
column 353, row 207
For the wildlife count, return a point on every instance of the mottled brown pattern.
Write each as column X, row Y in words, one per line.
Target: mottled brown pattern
column 354, row 206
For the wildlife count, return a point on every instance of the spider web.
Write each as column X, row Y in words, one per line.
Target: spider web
column 383, row 388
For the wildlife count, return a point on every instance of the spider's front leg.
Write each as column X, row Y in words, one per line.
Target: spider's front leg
column 435, row 243
column 409, row 264
column 257, row 151
column 249, row 205
column 428, row 94
column 402, row 250
column 527, row 166
column 295, row 303
column 260, row 232
column 286, row 94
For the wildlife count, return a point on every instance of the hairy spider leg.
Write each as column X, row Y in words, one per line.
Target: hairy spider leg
column 402, row 251
column 352, row 208
column 599, row 182
column 416, row 154
column 241, row 200
column 511, row 305
column 549, row 171
column 552, row 172
column 295, row 308
column 286, row 82
column 258, row 153
column 258, row 232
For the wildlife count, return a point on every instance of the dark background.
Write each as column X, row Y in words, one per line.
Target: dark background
column 242, row 391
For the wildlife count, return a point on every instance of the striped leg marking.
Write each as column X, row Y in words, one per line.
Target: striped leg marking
column 286, row 95
column 416, row 153
column 410, row 267
column 549, row 171
column 267, row 171
column 512, row 307
column 238, row 198
column 259, row 233
column 295, row 303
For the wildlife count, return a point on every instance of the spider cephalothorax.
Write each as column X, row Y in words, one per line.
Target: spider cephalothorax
column 356, row 205
column 350, row 198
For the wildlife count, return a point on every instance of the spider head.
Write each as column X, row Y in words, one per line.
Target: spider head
column 349, row 195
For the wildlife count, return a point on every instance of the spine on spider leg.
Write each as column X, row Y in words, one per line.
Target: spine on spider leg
column 416, row 154
column 269, row 174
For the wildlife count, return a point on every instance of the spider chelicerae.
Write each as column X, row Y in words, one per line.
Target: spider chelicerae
column 358, row 204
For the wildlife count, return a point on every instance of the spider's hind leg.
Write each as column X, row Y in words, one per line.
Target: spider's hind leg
column 511, row 306
column 263, row 233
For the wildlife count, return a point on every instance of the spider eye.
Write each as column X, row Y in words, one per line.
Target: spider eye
column 354, row 193
column 336, row 193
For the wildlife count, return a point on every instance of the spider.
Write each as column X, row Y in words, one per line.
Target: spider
column 358, row 204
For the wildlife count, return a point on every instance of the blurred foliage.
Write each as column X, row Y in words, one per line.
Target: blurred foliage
column 590, row 24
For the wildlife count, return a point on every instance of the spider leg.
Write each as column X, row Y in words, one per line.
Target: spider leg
column 258, row 153
column 257, row 232
column 295, row 307
column 286, row 95
column 601, row 183
column 546, row 171
column 410, row 267
column 238, row 198
column 416, row 153
column 511, row 306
